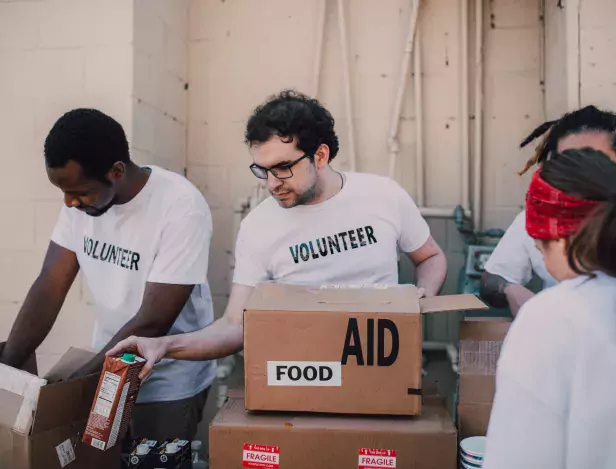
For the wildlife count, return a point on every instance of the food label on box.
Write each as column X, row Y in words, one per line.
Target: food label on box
column 261, row 457
column 376, row 458
column 304, row 373
column 66, row 453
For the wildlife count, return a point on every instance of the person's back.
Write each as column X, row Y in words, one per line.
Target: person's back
column 569, row 333
column 554, row 405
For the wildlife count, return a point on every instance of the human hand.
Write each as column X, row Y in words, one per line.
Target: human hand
column 153, row 350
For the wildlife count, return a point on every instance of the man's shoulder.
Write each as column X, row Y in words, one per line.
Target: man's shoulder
column 266, row 211
column 176, row 191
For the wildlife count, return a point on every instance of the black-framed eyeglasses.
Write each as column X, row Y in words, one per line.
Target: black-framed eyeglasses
column 280, row 171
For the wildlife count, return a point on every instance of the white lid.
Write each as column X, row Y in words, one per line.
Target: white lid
column 172, row 448
column 143, row 449
column 474, row 446
column 196, row 445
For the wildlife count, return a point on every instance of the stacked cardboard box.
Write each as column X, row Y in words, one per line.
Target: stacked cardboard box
column 313, row 352
column 481, row 340
column 42, row 420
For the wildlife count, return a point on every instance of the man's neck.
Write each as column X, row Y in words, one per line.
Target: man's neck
column 331, row 183
column 136, row 179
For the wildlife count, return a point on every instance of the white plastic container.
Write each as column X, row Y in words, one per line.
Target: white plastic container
column 473, row 447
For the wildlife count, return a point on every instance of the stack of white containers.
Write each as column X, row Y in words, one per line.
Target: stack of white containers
column 471, row 452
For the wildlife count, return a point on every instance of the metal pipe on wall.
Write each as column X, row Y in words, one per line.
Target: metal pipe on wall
column 464, row 92
column 394, row 145
column 319, row 49
column 478, row 135
column 419, row 146
column 347, row 84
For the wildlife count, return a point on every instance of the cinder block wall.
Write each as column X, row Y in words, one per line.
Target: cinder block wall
column 240, row 52
column 183, row 75
column 126, row 58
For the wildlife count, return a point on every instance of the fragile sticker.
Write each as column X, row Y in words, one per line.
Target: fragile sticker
column 261, row 457
column 66, row 453
column 376, row 458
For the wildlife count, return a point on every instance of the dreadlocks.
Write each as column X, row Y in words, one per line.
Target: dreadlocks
column 588, row 118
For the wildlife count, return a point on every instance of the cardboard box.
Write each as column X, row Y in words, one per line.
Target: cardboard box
column 309, row 441
column 338, row 350
column 481, row 341
column 54, row 438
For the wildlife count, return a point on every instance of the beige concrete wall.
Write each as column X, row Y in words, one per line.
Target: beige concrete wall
column 183, row 75
column 160, row 83
column 55, row 55
column 125, row 58
column 242, row 51
column 597, row 38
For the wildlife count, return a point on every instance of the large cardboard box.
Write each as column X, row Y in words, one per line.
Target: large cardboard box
column 338, row 350
column 53, row 439
column 481, row 341
column 241, row 439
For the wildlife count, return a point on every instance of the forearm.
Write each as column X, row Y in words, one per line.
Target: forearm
column 517, row 295
column 136, row 327
column 222, row 338
column 431, row 274
column 34, row 321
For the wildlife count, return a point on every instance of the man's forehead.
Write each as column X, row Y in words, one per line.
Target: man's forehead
column 70, row 175
column 274, row 151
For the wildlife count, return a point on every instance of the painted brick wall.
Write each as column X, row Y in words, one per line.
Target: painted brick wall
column 126, row 58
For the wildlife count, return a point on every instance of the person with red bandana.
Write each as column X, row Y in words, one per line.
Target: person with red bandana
column 554, row 406
column 515, row 259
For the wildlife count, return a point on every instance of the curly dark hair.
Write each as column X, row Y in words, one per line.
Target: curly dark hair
column 90, row 138
column 588, row 118
column 293, row 115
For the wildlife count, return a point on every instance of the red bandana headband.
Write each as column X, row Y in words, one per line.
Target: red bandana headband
column 552, row 214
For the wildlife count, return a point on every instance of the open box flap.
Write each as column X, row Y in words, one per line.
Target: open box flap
column 438, row 304
column 70, row 362
column 299, row 298
column 10, row 403
column 65, row 402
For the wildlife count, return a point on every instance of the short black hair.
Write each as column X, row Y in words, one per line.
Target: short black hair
column 293, row 115
column 588, row 118
column 89, row 137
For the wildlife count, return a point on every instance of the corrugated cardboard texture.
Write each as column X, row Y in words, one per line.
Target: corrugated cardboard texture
column 319, row 336
column 60, row 416
column 299, row 299
column 285, row 323
column 310, row 441
column 481, row 341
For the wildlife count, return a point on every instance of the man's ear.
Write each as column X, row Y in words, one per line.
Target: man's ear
column 321, row 156
column 117, row 171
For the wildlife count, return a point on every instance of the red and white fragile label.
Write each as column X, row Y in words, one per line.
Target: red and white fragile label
column 376, row 458
column 261, row 457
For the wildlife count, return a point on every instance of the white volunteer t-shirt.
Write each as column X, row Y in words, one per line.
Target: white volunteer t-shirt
column 516, row 256
column 352, row 238
column 163, row 236
column 554, row 405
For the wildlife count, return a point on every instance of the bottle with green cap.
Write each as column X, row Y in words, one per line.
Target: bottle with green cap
column 128, row 358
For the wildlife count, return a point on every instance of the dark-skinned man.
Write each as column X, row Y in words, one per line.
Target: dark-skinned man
column 140, row 236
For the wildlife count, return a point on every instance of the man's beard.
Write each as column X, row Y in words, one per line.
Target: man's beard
column 305, row 198
column 97, row 212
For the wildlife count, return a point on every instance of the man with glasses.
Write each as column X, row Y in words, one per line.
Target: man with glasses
column 320, row 226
